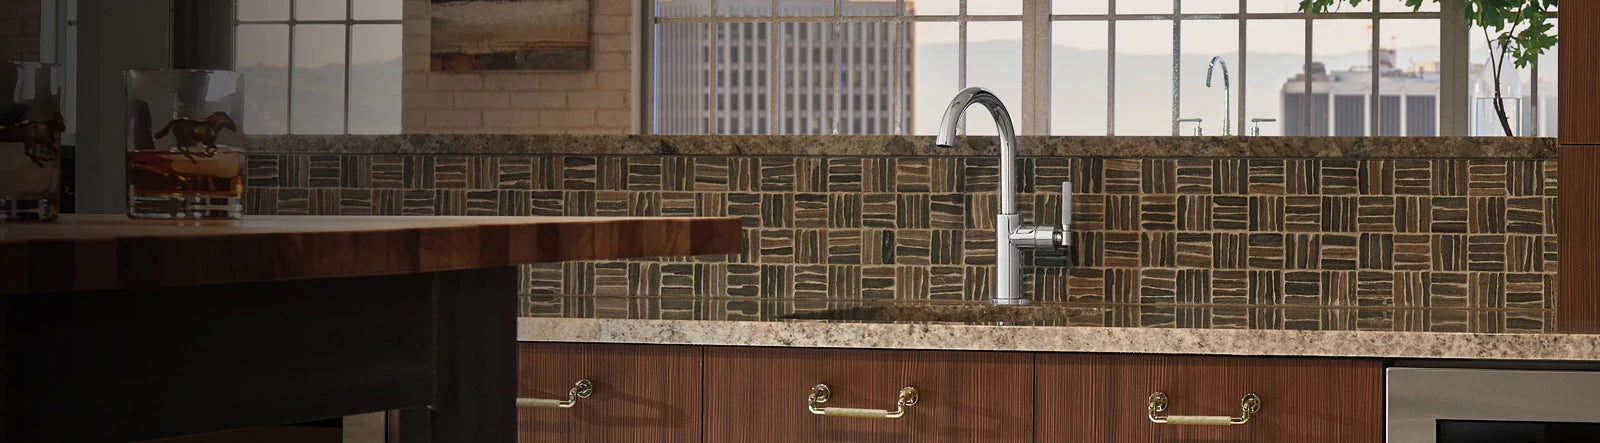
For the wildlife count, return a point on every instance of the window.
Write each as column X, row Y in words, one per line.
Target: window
column 1135, row 68
column 299, row 57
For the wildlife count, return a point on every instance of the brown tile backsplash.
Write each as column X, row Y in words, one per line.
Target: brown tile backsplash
column 1295, row 243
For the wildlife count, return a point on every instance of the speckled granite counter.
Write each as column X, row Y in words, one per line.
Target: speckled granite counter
column 809, row 334
column 1071, row 328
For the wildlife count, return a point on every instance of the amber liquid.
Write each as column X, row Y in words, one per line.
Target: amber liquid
column 170, row 184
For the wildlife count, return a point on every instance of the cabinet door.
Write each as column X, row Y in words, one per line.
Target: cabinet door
column 1579, row 102
column 760, row 394
column 640, row 393
column 1084, row 397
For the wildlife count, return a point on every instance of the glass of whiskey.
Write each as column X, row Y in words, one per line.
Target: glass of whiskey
column 30, row 142
column 186, row 157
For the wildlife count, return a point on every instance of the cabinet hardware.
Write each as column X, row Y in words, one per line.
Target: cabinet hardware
column 821, row 393
column 1249, row 405
column 583, row 388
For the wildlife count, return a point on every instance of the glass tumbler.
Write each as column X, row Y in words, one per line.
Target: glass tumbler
column 30, row 142
column 186, row 155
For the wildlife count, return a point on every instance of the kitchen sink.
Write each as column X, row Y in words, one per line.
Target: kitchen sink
column 1019, row 315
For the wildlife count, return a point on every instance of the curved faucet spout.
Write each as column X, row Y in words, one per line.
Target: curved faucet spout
column 1008, row 138
column 1227, row 92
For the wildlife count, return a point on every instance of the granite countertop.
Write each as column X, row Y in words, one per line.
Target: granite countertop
column 1062, row 332
column 894, row 145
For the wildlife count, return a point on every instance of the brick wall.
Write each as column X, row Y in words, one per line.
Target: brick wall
column 561, row 102
column 19, row 29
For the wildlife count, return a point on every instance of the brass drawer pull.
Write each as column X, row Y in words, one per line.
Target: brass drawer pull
column 582, row 389
column 820, row 394
column 1249, row 405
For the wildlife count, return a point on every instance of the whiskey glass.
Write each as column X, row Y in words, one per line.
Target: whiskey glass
column 186, row 155
column 30, row 142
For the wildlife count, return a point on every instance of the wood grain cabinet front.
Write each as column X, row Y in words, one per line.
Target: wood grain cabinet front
column 764, row 394
column 634, row 393
column 1099, row 397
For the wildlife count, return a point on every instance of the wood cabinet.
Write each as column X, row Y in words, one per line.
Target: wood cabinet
column 1578, row 169
column 641, row 393
column 737, row 394
column 1579, row 105
column 761, row 395
column 1098, row 397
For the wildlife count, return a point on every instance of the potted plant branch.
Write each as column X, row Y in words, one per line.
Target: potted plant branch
column 1519, row 29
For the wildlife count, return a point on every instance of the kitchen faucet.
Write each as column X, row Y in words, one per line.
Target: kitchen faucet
column 1011, row 236
column 1227, row 92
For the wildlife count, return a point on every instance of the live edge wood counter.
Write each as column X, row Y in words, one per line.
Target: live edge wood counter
column 118, row 330
column 98, row 252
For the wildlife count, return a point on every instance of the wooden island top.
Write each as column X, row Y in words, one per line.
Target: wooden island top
column 101, row 252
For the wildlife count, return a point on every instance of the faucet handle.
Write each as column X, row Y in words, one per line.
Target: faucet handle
column 1066, row 205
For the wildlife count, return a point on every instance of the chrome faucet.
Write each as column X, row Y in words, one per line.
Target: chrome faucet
column 1227, row 92
column 1011, row 236
column 1198, row 131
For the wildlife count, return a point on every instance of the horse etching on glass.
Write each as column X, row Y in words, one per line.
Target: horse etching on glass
column 190, row 132
column 40, row 140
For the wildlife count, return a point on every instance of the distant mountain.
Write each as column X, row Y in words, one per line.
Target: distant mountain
column 319, row 99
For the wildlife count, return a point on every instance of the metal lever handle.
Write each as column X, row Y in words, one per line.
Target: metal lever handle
column 821, row 393
column 1249, row 405
column 583, row 388
column 1065, row 231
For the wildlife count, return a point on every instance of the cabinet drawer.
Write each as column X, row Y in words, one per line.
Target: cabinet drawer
column 640, row 393
column 760, row 394
column 1107, row 397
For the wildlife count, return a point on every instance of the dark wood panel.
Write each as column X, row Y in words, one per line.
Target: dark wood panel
column 1578, row 175
column 759, row 394
column 119, row 366
column 641, row 393
column 1104, row 397
column 1579, row 103
column 84, row 252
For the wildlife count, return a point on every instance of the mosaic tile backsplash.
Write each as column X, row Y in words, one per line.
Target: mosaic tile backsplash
column 1296, row 243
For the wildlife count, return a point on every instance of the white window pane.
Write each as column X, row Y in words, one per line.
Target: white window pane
column 1078, row 84
column 1144, row 78
column 1216, row 105
column 934, row 7
column 1410, row 80
column 994, row 61
column 319, row 9
column 1275, row 87
column 1210, row 7
column 1339, row 97
column 995, row 7
column 683, row 84
column 1144, row 7
column 683, row 8
column 1270, row 6
column 868, row 7
column 376, row 9
column 262, row 10
column 263, row 63
column 319, row 70
column 866, row 71
column 809, row 8
column 747, row 8
column 935, row 79
column 1548, row 67
column 1400, row 6
column 1068, row 7
column 375, row 61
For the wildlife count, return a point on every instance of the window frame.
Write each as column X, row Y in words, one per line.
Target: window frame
column 348, row 23
column 1037, row 16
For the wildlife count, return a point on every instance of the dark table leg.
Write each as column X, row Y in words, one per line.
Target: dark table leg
column 475, row 390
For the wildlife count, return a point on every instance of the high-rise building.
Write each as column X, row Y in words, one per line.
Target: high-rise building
column 1408, row 102
column 844, row 77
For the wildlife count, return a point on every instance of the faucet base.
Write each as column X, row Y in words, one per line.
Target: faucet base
column 1009, row 301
